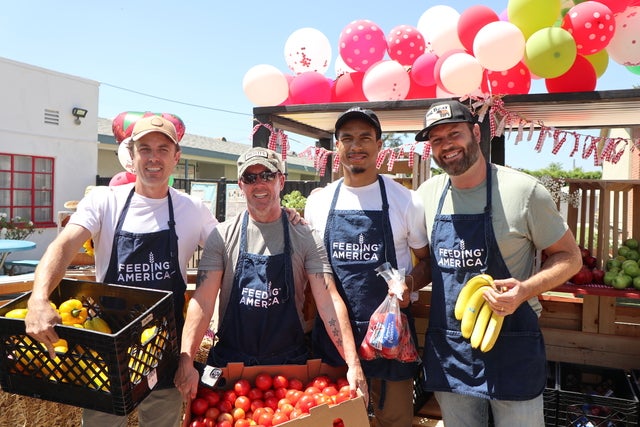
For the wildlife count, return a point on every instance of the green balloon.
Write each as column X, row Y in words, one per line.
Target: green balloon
column 600, row 62
column 635, row 69
column 550, row 52
column 171, row 179
column 533, row 15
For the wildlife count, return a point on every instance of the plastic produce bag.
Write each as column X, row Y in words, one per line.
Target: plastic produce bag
column 388, row 334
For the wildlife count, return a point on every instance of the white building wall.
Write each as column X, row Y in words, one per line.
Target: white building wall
column 27, row 93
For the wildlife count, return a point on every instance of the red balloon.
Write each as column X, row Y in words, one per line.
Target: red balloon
column 123, row 123
column 310, row 87
column 514, row 81
column 122, row 178
column 423, row 68
column 417, row 91
column 581, row 77
column 348, row 88
column 471, row 21
column 405, row 43
column 592, row 26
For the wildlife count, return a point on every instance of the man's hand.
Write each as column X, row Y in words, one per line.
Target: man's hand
column 40, row 320
column 187, row 378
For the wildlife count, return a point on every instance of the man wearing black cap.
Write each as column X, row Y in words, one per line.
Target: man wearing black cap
column 485, row 218
column 367, row 219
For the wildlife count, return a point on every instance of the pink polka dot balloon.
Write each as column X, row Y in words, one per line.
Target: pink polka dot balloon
column 405, row 43
column 592, row 26
column 362, row 43
column 624, row 47
column 514, row 81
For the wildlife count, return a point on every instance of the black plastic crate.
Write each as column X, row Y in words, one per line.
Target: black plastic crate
column 111, row 373
column 596, row 397
column 550, row 396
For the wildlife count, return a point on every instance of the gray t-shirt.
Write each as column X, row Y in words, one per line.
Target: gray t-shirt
column 223, row 247
column 525, row 217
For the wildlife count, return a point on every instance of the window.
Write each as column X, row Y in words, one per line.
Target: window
column 26, row 187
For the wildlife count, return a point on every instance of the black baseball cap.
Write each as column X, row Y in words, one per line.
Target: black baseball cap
column 444, row 112
column 360, row 114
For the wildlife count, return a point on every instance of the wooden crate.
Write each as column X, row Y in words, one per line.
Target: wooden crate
column 604, row 216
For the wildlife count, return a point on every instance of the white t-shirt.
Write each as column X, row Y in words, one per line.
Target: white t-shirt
column 99, row 211
column 406, row 213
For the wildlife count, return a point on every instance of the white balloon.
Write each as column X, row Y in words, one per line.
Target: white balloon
column 386, row 80
column 341, row 67
column 624, row 47
column 461, row 74
column 439, row 27
column 124, row 157
column 499, row 46
column 308, row 49
column 265, row 85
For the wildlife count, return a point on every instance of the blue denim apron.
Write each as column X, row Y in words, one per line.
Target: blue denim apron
column 149, row 260
column 261, row 325
column 357, row 242
column 515, row 369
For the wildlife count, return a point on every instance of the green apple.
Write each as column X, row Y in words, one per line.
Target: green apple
column 636, row 282
column 622, row 281
column 613, row 263
column 631, row 243
column 631, row 269
column 623, row 251
column 633, row 254
column 608, row 277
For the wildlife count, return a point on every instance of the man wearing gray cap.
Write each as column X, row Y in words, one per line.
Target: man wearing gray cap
column 131, row 224
column 365, row 220
column 485, row 218
column 258, row 264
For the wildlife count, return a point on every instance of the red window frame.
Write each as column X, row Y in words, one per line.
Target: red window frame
column 40, row 208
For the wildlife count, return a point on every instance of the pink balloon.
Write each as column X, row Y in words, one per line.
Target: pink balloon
column 581, row 77
column 362, row 43
column 592, row 26
column 624, row 47
column 310, row 87
column 386, row 81
column 504, row 15
column 287, row 101
column 471, row 21
column 422, row 70
column 438, row 66
column 122, row 178
column 348, row 88
column 405, row 43
column 514, row 81
column 461, row 74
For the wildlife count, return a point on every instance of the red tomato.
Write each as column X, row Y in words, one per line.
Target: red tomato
column 230, row 396
column 341, row 382
column 225, row 406
column 322, row 399
column 286, row 408
column 243, row 402
column 268, row 393
column 237, row 414
column 209, row 422
column 212, row 398
column 321, row 381
column 265, row 419
column 199, row 406
column 305, row 403
column 338, row 422
column 280, row 381
column 293, row 395
column 242, row 387
column 212, row 413
column 330, row 390
column 242, row 423
column 197, row 423
column 255, row 404
column 224, row 423
column 255, row 394
column 312, row 390
column 295, row 384
column 257, row 413
column 225, row 416
column 296, row 413
column 280, row 392
column 343, row 396
column 279, row 418
column 263, row 381
column 271, row 402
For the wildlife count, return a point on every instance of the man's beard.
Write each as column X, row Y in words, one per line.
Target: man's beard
column 356, row 170
column 470, row 154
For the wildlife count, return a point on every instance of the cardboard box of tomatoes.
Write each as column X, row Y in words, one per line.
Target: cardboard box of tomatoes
column 244, row 392
column 109, row 372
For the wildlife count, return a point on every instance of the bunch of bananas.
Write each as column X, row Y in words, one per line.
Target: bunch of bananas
column 477, row 321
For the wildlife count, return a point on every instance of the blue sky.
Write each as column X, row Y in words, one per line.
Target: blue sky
column 192, row 55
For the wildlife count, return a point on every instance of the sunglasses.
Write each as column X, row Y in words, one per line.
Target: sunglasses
column 251, row 178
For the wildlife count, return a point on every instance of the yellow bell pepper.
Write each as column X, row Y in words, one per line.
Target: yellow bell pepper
column 72, row 312
column 97, row 324
column 16, row 313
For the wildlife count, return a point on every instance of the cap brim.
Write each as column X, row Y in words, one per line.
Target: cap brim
column 257, row 161
column 148, row 131
column 359, row 115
